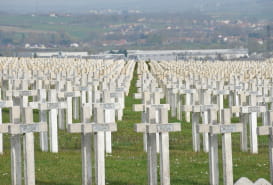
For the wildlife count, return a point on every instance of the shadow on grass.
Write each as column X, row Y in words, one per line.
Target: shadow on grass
column 51, row 183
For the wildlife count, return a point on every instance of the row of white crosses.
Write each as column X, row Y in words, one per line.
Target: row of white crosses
column 254, row 87
column 216, row 88
column 154, row 126
column 67, row 87
column 102, row 127
column 65, row 92
column 16, row 129
column 225, row 128
column 149, row 93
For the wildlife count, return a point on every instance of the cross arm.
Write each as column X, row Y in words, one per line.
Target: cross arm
column 69, row 94
column 207, row 107
column 186, row 108
column 235, row 109
column 137, row 96
column 6, row 104
column 223, row 92
column 116, row 94
column 4, row 128
column 87, row 88
column 264, row 130
column 120, row 89
column 57, row 105
column 267, row 99
column 34, row 105
column 91, row 127
column 249, row 109
column 26, row 128
column 157, row 128
column 199, row 108
column 21, row 93
column 74, row 128
column 138, row 107
column 115, row 106
column 175, row 91
column 220, row 128
column 187, row 91
column 99, row 127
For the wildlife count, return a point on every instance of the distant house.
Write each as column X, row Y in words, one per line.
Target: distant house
column 52, row 15
column 35, row 46
column 74, row 45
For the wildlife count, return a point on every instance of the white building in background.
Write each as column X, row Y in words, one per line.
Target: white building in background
column 215, row 54
column 45, row 54
column 226, row 54
column 53, row 54
column 74, row 54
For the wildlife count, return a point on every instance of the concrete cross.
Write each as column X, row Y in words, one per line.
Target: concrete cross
column 67, row 95
column 196, row 111
column 189, row 99
column 162, row 128
column 225, row 129
column 220, row 93
column 96, row 94
column 118, row 97
column 148, row 98
column 86, row 95
column 3, row 104
column 173, row 97
column 234, row 88
column 86, row 128
column 23, row 96
column 42, row 95
column 16, row 129
column 109, row 117
column 251, row 111
column 52, row 106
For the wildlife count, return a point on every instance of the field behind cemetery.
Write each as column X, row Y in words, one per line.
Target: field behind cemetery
column 127, row 164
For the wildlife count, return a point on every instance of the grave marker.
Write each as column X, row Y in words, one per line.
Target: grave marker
column 86, row 128
column 151, row 129
column 16, row 130
column 225, row 129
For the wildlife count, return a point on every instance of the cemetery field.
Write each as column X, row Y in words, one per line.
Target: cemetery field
column 127, row 163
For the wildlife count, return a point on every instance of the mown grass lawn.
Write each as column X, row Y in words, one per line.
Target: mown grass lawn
column 127, row 164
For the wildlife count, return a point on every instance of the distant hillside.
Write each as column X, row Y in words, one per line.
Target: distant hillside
column 237, row 8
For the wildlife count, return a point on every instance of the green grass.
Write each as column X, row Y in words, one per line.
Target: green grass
column 127, row 164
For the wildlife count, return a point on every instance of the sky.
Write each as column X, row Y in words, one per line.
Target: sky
column 83, row 6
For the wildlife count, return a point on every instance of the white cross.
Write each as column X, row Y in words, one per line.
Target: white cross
column 53, row 105
column 86, row 128
column 225, row 129
column 26, row 129
column 162, row 128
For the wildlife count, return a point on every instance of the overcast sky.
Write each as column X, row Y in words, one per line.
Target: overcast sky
column 77, row 5
column 85, row 5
